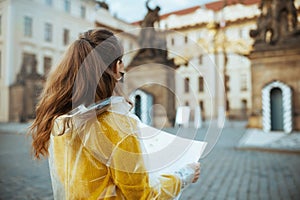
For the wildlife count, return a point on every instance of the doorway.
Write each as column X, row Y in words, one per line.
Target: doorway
column 276, row 110
column 143, row 103
column 244, row 109
column 137, row 106
column 277, row 107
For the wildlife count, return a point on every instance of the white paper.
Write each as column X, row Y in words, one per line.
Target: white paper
column 167, row 153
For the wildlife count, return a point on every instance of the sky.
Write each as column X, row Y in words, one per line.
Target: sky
column 135, row 10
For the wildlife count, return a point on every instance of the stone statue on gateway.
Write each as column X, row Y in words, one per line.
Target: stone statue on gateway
column 148, row 34
column 152, row 41
column 278, row 19
column 151, row 17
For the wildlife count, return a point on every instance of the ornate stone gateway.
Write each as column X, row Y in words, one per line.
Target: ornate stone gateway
column 157, row 81
column 277, row 107
column 152, row 73
column 25, row 91
column 275, row 68
column 143, row 104
column 277, row 21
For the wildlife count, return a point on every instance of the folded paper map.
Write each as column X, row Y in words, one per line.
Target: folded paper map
column 167, row 153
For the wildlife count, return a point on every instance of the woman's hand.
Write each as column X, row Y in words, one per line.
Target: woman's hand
column 196, row 168
column 188, row 174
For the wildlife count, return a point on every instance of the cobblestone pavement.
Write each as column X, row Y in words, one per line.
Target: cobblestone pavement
column 226, row 173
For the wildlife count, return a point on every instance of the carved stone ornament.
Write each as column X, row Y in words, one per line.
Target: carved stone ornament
column 277, row 21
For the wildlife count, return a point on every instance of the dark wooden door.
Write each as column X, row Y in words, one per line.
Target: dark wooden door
column 276, row 110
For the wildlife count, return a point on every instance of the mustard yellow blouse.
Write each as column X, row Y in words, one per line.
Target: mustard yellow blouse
column 103, row 160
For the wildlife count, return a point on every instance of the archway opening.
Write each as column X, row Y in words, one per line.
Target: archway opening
column 276, row 109
column 244, row 109
column 138, row 104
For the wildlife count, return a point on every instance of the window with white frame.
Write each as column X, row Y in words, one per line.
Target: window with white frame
column 49, row 2
column 227, row 83
column 227, row 105
column 48, row 32
column 186, row 85
column 243, row 82
column 186, row 39
column 244, row 105
column 172, row 41
column 201, row 104
column 29, row 59
column 200, row 59
column 201, row 84
column 82, row 11
column 27, row 26
column 67, row 5
column 47, row 64
column 66, row 36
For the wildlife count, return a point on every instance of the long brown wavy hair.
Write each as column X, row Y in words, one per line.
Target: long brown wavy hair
column 84, row 76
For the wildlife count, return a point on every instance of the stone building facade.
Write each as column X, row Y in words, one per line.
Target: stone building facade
column 33, row 38
column 222, row 32
column 211, row 44
column 34, row 35
column 24, row 93
column 275, row 68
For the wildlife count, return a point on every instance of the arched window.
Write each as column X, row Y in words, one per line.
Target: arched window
column 186, row 39
column 186, row 85
column 276, row 109
column 201, row 84
column 138, row 104
column 200, row 59
column 172, row 41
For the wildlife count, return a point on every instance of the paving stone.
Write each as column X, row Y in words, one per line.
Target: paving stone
column 226, row 173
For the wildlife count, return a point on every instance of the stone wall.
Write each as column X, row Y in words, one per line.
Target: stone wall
column 23, row 99
column 280, row 64
column 157, row 80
